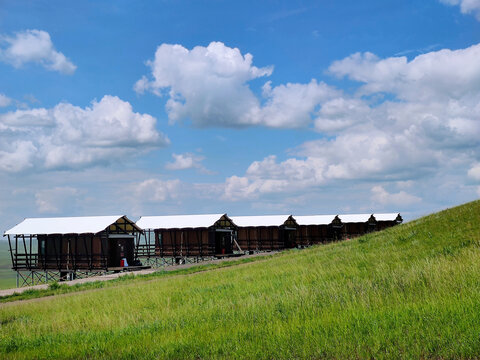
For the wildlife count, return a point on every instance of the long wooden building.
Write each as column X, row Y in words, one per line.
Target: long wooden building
column 180, row 238
column 357, row 224
column 318, row 229
column 387, row 220
column 67, row 245
column 265, row 233
column 44, row 249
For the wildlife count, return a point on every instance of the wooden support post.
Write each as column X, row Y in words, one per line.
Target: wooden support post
column 232, row 236
column 11, row 253
column 199, row 243
column 27, row 261
column 91, row 252
column 75, row 255
column 56, row 253
column 271, row 237
column 31, row 254
column 16, row 251
column 103, row 256
column 45, row 254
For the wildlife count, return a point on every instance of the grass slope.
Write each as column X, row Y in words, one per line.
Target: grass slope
column 411, row 291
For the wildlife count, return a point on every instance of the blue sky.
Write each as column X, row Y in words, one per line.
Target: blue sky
column 239, row 107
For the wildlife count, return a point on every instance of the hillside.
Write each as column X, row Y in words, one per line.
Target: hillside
column 411, row 291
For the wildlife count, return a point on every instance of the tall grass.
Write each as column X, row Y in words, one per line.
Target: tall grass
column 412, row 291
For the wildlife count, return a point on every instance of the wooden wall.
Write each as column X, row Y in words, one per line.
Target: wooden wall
column 265, row 238
column 82, row 252
column 72, row 252
column 317, row 234
column 351, row 230
column 184, row 242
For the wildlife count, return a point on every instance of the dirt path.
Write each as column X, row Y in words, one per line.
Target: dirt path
column 115, row 276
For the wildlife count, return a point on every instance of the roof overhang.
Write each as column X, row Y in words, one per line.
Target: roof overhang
column 356, row 218
column 315, row 219
column 262, row 220
column 67, row 225
column 388, row 217
column 178, row 221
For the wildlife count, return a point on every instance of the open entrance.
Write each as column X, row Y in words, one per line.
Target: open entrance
column 289, row 236
column 120, row 247
column 223, row 242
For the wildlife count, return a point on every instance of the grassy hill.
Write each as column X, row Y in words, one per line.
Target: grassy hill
column 412, row 291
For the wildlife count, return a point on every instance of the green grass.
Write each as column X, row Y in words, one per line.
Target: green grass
column 56, row 288
column 7, row 275
column 412, row 291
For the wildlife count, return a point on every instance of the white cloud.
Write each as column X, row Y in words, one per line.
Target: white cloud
column 435, row 76
column 34, row 46
column 19, row 158
column 268, row 176
column 55, row 200
column 292, row 105
column 382, row 197
column 430, row 128
column 341, row 113
column 240, row 188
column 474, row 172
column 201, row 83
column 4, row 100
column 466, row 6
column 155, row 190
column 68, row 136
column 185, row 161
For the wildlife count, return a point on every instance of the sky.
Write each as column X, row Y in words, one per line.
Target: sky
column 245, row 108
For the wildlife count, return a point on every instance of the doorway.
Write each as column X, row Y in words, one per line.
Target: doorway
column 120, row 248
column 223, row 242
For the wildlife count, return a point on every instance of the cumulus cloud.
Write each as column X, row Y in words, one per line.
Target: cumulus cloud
column 383, row 197
column 341, row 113
column 185, row 161
column 4, row 100
column 34, row 46
column 20, row 157
column 201, row 83
column 155, row 190
column 466, row 6
column 269, row 176
column 439, row 75
column 428, row 126
column 188, row 161
column 474, row 172
column 55, row 200
column 69, row 136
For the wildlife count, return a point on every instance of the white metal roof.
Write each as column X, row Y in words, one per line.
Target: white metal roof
column 386, row 216
column 264, row 220
column 354, row 218
column 63, row 225
column 178, row 221
column 314, row 219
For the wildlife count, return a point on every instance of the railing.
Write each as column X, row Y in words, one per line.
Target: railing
column 71, row 261
column 25, row 261
column 145, row 250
